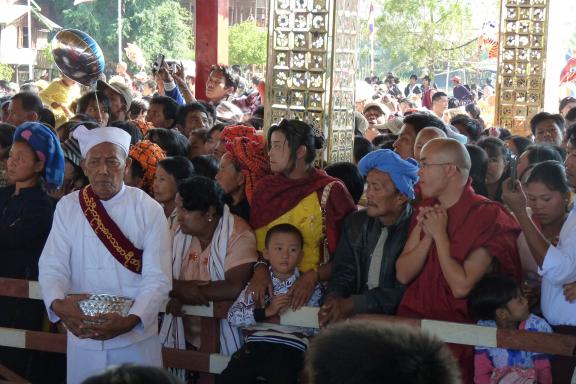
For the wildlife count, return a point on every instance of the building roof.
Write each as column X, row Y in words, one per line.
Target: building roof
column 45, row 21
column 13, row 12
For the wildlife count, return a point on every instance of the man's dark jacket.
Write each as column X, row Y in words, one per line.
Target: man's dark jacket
column 359, row 237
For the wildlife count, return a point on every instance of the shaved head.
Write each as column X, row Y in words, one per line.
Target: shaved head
column 450, row 151
column 432, row 132
column 424, row 136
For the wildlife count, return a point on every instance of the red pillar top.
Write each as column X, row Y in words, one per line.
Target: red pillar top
column 211, row 40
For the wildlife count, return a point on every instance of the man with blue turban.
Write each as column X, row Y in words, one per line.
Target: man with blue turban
column 364, row 272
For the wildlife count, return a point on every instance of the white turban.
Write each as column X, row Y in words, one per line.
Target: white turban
column 88, row 138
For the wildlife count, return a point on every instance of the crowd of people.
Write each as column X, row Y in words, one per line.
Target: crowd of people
column 167, row 197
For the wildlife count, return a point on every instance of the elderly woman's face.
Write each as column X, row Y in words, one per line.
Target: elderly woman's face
column 230, row 179
column 105, row 165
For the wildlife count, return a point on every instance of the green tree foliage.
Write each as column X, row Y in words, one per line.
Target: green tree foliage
column 423, row 35
column 156, row 26
column 6, row 72
column 247, row 44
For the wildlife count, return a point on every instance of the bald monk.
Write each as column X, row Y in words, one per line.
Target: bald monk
column 456, row 237
column 424, row 136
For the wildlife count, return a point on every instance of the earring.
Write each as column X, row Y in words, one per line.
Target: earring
column 209, row 219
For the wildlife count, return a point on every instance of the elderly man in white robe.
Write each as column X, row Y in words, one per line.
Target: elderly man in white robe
column 107, row 238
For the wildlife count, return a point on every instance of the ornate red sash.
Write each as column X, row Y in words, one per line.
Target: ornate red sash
column 108, row 232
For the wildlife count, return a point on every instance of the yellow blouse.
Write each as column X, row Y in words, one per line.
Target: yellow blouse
column 307, row 217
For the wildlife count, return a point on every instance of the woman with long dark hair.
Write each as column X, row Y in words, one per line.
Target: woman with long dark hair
column 301, row 195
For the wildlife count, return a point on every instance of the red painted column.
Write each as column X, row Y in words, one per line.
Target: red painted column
column 211, row 40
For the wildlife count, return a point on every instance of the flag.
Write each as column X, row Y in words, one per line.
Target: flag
column 76, row 2
column 371, row 21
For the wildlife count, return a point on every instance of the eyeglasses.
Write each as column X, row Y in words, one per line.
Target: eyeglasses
column 426, row 165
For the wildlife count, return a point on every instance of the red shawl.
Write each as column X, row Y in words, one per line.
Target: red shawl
column 277, row 194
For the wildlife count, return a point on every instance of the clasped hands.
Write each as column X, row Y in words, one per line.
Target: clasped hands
column 433, row 221
column 100, row 327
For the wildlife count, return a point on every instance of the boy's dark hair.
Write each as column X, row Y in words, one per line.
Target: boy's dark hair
column 349, row 174
column 284, row 228
column 130, row 374
column 169, row 107
column 103, row 102
column 543, row 116
column 187, row 108
column 30, row 102
column 492, row 292
column 137, row 106
column 199, row 193
column 230, row 77
column 438, row 95
column 361, row 352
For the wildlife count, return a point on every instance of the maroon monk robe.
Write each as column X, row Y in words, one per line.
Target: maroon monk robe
column 473, row 222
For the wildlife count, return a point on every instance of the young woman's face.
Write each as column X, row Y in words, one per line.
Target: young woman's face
column 22, row 164
column 164, row 187
column 547, row 205
column 279, row 152
column 496, row 168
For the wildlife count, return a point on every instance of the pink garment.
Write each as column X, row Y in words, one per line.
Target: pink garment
column 485, row 373
column 241, row 250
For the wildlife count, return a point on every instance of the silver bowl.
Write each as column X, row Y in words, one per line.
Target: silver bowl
column 103, row 303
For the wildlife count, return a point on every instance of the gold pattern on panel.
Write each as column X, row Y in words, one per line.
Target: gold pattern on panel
column 311, row 69
column 521, row 71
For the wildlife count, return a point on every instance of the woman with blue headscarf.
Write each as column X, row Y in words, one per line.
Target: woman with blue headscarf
column 35, row 164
